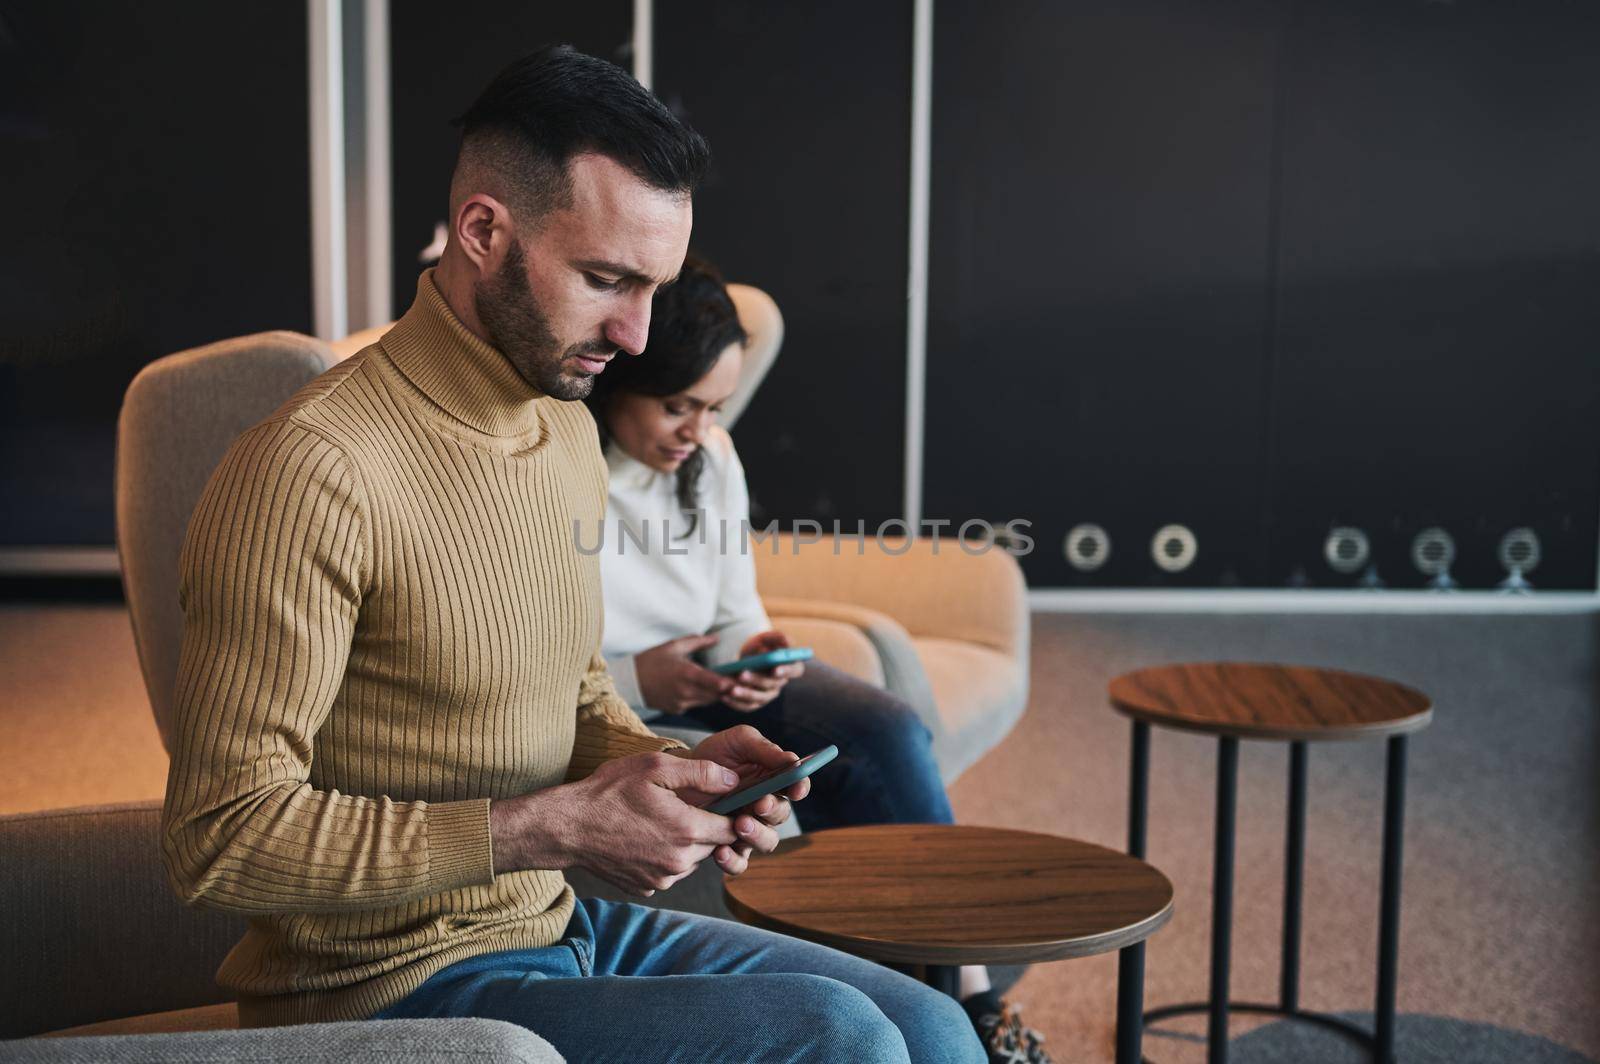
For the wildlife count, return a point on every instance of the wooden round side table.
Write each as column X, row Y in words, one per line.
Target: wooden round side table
column 1299, row 705
column 940, row 895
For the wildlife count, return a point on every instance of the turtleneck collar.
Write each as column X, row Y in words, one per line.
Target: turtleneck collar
column 467, row 378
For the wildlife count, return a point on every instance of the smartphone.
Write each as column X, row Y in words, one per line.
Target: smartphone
column 770, row 660
column 773, row 781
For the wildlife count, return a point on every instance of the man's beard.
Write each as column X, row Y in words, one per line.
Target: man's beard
column 510, row 314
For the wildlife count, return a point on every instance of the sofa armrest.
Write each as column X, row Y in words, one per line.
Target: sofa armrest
column 840, row 644
column 903, row 673
column 933, row 589
column 358, row 1042
column 85, row 914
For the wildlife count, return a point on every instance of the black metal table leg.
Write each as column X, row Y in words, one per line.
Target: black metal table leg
column 1222, row 898
column 945, row 978
column 1139, row 789
column 1294, row 866
column 1381, row 1038
column 1130, row 1004
column 1288, row 1006
column 1394, row 811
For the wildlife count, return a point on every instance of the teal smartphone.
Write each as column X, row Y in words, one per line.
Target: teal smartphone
column 773, row 781
column 770, row 660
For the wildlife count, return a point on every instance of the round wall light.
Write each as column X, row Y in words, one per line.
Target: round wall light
column 1519, row 553
column 1433, row 550
column 1174, row 548
column 1087, row 547
column 1347, row 549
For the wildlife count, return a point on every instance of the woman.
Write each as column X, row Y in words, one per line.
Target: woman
column 679, row 584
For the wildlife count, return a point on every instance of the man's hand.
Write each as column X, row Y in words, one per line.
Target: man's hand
column 626, row 822
column 756, row 689
column 672, row 682
column 745, row 751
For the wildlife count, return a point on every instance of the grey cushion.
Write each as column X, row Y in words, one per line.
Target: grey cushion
column 699, row 892
column 90, row 929
column 179, row 416
column 375, row 1041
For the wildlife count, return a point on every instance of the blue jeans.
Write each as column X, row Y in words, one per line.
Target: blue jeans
column 629, row 983
column 885, row 772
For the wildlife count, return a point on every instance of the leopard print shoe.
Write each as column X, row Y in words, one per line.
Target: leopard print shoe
column 1008, row 1040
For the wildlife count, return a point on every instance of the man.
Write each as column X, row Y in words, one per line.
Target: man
column 394, row 726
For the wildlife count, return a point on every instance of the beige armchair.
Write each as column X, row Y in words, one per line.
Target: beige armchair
column 179, row 416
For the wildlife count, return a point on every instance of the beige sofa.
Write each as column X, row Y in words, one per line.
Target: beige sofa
column 945, row 629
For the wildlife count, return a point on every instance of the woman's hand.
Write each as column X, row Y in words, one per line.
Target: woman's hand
column 671, row 681
column 756, row 689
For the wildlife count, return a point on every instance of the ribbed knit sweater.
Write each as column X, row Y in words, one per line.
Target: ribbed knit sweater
column 386, row 625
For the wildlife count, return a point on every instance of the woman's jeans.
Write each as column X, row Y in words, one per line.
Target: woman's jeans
column 885, row 772
column 629, row 983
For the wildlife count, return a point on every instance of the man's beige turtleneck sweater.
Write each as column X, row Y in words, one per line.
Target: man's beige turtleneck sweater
column 387, row 625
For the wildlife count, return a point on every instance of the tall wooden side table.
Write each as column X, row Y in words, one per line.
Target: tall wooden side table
column 1236, row 701
column 940, row 895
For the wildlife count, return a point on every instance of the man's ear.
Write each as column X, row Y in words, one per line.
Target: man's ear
column 483, row 231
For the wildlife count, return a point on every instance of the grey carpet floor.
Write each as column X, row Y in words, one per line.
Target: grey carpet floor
column 1422, row 1040
column 1501, row 925
column 1501, row 918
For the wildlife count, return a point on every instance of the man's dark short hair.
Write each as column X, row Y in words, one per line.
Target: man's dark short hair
column 557, row 102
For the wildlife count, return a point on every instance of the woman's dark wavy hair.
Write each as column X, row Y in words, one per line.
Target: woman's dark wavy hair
column 692, row 322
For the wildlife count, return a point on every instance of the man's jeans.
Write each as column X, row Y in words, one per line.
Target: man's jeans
column 885, row 772
column 629, row 983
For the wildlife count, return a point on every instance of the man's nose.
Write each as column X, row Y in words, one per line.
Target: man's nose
column 629, row 328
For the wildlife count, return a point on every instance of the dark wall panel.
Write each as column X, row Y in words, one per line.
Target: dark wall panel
column 1266, row 270
column 157, row 197
column 1099, row 266
column 807, row 108
column 1439, row 313
column 440, row 59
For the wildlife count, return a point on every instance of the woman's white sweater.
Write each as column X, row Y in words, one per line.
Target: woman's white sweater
column 666, row 575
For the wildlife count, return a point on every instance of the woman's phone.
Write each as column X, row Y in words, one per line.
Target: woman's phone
column 760, row 662
column 773, row 781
